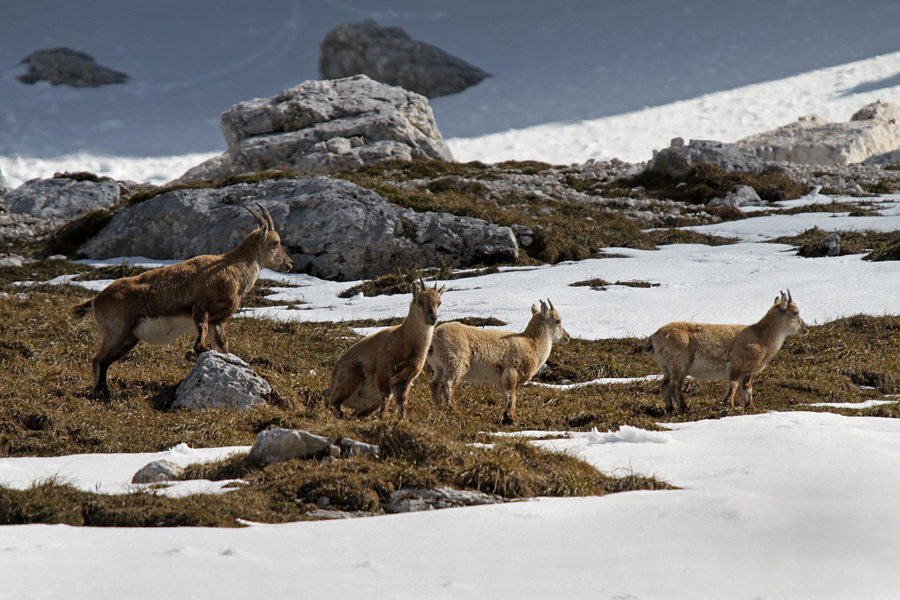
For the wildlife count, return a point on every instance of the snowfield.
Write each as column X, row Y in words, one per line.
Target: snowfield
column 777, row 505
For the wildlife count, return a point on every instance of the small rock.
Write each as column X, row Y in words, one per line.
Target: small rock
column 158, row 470
column 350, row 447
column 829, row 246
column 221, row 380
column 279, row 444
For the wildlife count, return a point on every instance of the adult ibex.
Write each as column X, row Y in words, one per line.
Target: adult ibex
column 384, row 364
column 731, row 352
column 165, row 303
column 464, row 353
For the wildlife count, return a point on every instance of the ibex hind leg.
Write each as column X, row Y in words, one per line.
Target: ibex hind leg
column 344, row 383
column 111, row 350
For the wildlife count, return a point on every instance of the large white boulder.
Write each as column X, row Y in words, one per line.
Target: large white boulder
column 872, row 131
column 323, row 126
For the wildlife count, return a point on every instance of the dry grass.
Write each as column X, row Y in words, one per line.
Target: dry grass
column 876, row 245
column 46, row 409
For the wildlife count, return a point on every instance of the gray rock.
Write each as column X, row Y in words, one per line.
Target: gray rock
column 61, row 198
column 332, row 229
column 743, row 195
column 389, row 55
column 4, row 186
column 414, row 500
column 158, row 470
column 13, row 260
column 829, row 246
column 221, row 380
column 872, row 131
column 351, row 447
column 67, row 66
column 279, row 444
column 322, row 126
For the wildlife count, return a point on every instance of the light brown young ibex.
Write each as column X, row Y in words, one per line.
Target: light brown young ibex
column 732, row 352
column 464, row 353
column 165, row 303
column 385, row 364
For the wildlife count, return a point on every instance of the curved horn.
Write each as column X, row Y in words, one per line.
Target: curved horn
column 267, row 216
column 789, row 296
column 551, row 304
column 259, row 220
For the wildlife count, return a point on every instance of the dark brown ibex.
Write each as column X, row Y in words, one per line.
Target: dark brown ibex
column 163, row 304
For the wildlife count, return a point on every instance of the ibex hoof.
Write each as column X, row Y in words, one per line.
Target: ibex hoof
column 508, row 420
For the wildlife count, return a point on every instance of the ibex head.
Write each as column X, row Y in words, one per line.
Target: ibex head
column 272, row 254
column 552, row 320
column 790, row 315
column 427, row 301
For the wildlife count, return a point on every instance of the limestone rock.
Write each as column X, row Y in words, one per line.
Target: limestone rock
column 67, row 66
column 61, row 198
column 322, row 126
column 158, row 470
column 279, row 444
column 874, row 130
column 333, row 229
column 677, row 160
column 389, row 55
column 351, row 447
column 743, row 195
column 221, row 380
column 829, row 246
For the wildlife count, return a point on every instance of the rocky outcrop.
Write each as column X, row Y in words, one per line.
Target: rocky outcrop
column 65, row 66
column 4, row 186
column 322, row 126
column 221, row 380
column 332, row 229
column 389, row 55
column 61, row 198
column 873, row 131
column 679, row 158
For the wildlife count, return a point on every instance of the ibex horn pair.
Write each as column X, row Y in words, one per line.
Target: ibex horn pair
column 265, row 220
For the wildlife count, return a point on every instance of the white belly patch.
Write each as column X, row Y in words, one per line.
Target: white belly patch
column 162, row 330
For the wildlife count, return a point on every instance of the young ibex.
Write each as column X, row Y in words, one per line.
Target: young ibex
column 165, row 303
column 731, row 352
column 464, row 353
column 385, row 363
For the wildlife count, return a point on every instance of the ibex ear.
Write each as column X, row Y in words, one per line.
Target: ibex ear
column 534, row 309
column 784, row 301
column 545, row 310
column 415, row 288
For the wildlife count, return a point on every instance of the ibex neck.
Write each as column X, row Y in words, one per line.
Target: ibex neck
column 244, row 263
column 540, row 337
column 770, row 331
